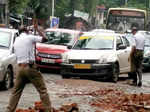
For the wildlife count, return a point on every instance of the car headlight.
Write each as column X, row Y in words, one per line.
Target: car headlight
column 111, row 59
column 65, row 58
column 106, row 59
column 102, row 61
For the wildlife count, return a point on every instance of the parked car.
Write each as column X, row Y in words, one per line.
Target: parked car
column 103, row 31
column 48, row 54
column 102, row 55
column 7, row 57
column 146, row 59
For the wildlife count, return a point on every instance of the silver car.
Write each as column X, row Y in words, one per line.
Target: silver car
column 7, row 57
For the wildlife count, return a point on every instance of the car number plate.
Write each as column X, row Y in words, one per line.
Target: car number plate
column 82, row 66
column 48, row 60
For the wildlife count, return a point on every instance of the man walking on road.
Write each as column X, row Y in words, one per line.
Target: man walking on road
column 27, row 72
column 136, row 56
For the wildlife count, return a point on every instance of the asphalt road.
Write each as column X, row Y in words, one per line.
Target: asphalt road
column 57, row 86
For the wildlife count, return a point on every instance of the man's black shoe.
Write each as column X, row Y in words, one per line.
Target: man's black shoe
column 139, row 84
column 134, row 82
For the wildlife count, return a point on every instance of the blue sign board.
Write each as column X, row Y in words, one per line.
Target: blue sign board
column 54, row 22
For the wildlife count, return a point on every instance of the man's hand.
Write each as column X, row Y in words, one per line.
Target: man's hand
column 35, row 23
column 129, row 59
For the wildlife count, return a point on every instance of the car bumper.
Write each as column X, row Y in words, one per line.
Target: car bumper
column 146, row 62
column 100, row 70
column 56, row 64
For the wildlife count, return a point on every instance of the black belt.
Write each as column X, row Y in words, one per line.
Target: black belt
column 139, row 50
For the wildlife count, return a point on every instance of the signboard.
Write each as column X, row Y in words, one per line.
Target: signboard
column 83, row 15
column 54, row 22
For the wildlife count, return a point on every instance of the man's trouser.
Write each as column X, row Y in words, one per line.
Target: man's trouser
column 136, row 65
column 25, row 75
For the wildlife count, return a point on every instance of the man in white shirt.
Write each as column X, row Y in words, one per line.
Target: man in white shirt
column 27, row 72
column 137, row 56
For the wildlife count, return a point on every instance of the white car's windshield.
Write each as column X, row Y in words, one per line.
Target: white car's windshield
column 94, row 43
column 60, row 38
column 5, row 39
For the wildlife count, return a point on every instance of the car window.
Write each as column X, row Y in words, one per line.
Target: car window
column 119, row 41
column 5, row 38
column 147, row 42
column 60, row 38
column 126, row 41
column 94, row 43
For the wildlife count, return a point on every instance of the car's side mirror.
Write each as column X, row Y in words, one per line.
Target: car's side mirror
column 122, row 47
column 69, row 46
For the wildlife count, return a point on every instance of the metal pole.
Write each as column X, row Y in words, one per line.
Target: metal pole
column 53, row 8
column 6, row 13
column 126, row 2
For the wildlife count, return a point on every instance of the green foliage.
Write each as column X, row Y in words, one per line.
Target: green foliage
column 17, row 6
column 34, row 4
column 42, row 8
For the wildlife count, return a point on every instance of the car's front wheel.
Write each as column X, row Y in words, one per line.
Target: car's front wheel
column 8, row 79
column 115, row 73
column 64, row 75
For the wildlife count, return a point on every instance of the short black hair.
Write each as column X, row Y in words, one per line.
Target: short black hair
column 22, row 29
column 134, row 29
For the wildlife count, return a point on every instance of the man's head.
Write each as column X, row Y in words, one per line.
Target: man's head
column 134, row 30
column 23, row 30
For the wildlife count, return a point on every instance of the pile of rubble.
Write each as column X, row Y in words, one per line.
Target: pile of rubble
column 117, row 101
column 38, row 107
column 105, row 100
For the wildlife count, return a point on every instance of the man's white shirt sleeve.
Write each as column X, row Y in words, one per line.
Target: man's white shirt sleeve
column 36, row 38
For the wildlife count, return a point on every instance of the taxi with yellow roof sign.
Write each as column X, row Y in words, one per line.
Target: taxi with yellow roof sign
column 100, row 55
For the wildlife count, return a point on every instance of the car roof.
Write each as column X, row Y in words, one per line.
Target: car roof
column 63, row 30
column 9, row 30
column 103, row 30
column 97, row 33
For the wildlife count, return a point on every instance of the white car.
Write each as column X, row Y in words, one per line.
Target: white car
column 102, row 55
column 7, row 57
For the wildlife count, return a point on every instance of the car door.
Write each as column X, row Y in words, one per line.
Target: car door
column 121, row 53
column 13, row 58
column 126, row 53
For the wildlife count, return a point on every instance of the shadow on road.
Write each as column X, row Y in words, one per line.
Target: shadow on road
column 50, row 71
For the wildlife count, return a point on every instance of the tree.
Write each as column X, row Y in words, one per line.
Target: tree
column 17, row 6
column 41, row 8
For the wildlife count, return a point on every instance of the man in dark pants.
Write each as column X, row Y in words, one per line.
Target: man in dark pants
column 27, row 72
column 136, row 56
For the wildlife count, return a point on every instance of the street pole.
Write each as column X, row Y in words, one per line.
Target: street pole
column 6, row 14
column 53, row 8
column 126, row 2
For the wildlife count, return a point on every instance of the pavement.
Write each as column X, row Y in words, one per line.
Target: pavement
column 58, row 90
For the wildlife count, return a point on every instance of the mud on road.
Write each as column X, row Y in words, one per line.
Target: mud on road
column 90, row 95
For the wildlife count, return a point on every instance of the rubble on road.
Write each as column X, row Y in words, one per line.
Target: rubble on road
column 106, row 100
column 38, row 107
column 102, row 97
column 117, row 101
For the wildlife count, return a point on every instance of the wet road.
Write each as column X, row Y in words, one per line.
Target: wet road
column 59, row 88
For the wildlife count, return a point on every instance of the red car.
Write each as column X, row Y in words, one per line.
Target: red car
column 48, row 54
